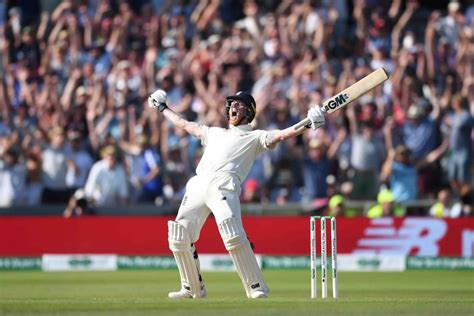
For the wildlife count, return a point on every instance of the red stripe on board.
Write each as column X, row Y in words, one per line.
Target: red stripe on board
column 286, row 235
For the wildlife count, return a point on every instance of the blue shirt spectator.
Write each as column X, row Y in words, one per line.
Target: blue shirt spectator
column 461, row 128
column 420, row 133
column 150, row 160
column 403, row 182
column 401, row 173
column 460, row 144
column 316, row 168
column 145, row 170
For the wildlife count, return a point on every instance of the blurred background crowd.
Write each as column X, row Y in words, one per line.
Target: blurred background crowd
column 75, row 76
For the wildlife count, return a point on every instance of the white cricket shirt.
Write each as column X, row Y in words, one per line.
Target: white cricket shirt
column 232, row 150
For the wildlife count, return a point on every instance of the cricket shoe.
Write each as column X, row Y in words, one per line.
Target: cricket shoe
column 258, row 294
column 184, row 293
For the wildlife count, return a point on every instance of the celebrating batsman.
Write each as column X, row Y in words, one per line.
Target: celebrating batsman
column 228, row 156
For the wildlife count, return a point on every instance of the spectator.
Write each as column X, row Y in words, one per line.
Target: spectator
column 80, row 163
column 107, row 182
column 79, row 205
column 367, row 155
column 8, row 138
column 284, row 188
column 346, row 192
column 386, row 206
column 251, row 192
column 146, row 171
column 460, row 145
column 34, row 190
column 55, row 158
column 403, row 171
column 176, row 169
column 316, row 168
column 465, row 206
column 286, row 179
column 420, row 133
column 400, row 171
column 340, row 149
column 442, row 208
column 12, row 180
column 448, row 27
column 332, row 185
column 336, row 205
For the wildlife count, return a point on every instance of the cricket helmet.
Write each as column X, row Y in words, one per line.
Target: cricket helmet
column 247, row 99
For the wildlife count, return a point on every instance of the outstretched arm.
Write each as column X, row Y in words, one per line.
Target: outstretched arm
column 276, row 136
column 158, row 100
column 192, row 128
column 315, row 115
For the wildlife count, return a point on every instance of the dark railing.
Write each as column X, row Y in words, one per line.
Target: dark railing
column 416, row 207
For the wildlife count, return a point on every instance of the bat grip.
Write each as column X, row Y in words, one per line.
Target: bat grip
column 302, row 123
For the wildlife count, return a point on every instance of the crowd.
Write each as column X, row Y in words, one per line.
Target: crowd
column 75, row 76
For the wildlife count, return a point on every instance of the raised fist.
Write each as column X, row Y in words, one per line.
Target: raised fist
column 158, row 100
column 316, row 116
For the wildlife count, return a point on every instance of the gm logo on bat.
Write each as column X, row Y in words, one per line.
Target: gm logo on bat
column 336, row 102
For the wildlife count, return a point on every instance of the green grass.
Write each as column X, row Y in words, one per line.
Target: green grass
column 145, row 293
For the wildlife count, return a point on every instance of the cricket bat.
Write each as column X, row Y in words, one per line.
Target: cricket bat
column 350, row 94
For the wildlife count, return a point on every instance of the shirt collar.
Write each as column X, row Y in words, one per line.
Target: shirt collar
column 243, row 128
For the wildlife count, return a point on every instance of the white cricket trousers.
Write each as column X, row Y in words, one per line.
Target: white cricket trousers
column 217, row 193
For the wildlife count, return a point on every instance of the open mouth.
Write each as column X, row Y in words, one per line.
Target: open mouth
column 233, row 113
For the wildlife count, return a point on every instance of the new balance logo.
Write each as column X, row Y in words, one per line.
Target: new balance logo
column 415, row 237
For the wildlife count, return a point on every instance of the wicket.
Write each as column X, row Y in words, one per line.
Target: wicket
column 313, row 255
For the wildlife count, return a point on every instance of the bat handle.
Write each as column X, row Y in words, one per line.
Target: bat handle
column 302, row 123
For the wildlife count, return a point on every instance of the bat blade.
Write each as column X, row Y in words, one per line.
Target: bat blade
column 351, row 93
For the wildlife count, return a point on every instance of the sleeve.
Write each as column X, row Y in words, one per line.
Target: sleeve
column 205, row 134
column 151, row 159
column 262, row 137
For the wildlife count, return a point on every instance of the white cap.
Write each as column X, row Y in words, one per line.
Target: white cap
column 453, row 6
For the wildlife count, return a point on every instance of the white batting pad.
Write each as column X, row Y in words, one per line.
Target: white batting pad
column 180, row 245
column 236, row 242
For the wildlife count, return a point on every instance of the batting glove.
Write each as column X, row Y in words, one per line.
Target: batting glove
column 316, row 117
column 158, row 100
